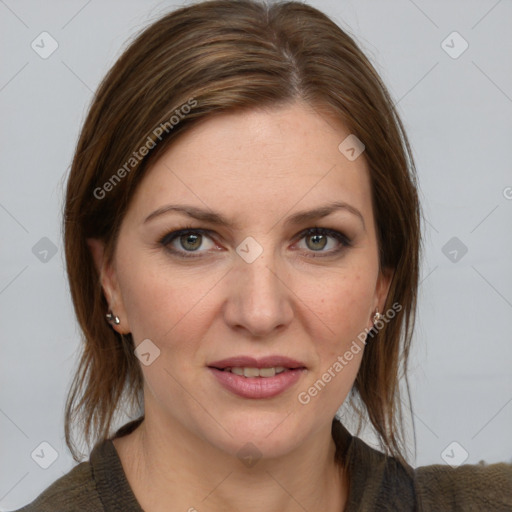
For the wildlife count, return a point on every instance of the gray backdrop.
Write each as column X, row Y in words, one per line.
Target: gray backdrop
column 448, row 65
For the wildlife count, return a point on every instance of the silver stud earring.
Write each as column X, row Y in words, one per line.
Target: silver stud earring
column 113, row 319
column 377, row 317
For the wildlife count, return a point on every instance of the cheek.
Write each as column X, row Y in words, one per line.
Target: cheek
column 342, row 304
column 161, row 305
column 151, row 302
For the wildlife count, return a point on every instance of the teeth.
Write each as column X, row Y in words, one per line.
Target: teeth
column 256, row 372
column 267, row 372
column 251, row 372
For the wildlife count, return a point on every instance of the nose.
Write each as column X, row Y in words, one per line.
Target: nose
column 260, row 299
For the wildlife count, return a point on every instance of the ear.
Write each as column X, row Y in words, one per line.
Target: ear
column 109, row 284
column 381, row 291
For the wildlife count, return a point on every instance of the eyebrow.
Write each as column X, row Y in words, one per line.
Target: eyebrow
column 295, row 219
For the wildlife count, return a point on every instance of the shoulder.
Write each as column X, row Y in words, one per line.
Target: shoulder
column 97, row 485
column 381, row 482
column 74, row 491
column 472, row 486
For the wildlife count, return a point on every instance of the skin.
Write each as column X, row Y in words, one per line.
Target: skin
column 256, row 168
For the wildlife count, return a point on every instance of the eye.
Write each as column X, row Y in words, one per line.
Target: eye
column 189, row 240
column 318, row 240
column 185, row 242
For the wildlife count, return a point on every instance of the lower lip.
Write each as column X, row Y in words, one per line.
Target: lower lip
column 257, row 387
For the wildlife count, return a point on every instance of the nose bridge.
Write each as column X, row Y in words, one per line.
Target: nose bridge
column 258, row 299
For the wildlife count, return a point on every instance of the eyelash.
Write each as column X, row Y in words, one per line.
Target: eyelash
column 171, row 236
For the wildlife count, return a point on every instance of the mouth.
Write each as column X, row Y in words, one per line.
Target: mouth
column 257, row 378
column 257, row 372
column 248, row 367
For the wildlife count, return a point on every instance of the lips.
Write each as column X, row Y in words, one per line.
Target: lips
column 254, row 378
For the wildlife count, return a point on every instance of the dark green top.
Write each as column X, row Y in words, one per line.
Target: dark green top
column 377, row 483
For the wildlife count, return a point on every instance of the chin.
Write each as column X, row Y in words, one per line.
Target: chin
column 260, row 434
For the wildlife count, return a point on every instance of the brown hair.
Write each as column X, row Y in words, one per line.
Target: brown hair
column 223, row 55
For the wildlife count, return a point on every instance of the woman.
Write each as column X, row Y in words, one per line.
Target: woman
column 242, row 234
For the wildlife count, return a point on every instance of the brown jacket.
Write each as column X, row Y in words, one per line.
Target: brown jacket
column 377, row 483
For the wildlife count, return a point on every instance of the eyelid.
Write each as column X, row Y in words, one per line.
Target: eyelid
column 340, row 237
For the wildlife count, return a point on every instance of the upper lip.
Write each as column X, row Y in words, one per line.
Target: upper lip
column 253, row 362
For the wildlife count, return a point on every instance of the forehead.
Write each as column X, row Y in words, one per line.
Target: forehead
column 255, row 163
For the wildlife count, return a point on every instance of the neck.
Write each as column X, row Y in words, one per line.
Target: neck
column 193, row 475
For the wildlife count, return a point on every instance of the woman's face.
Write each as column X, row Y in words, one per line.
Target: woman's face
column 256, row 285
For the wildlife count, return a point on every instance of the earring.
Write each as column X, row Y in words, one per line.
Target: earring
column 377, row 317
column 113, row 319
